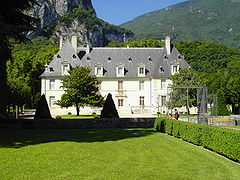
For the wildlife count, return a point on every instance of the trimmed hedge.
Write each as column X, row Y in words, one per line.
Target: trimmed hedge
column 223, row 141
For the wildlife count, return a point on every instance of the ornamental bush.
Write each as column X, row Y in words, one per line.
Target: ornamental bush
column 221, row 140
column 109, row 109
column 42, row 111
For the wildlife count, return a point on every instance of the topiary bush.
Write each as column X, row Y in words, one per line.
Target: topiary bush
column 109, row 109
column 42, row 111
column 221, row 140
column 58, row 117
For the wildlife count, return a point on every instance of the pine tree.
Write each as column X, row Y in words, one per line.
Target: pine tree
column 13, row 24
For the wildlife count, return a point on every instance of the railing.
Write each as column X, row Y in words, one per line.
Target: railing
column 121, row 93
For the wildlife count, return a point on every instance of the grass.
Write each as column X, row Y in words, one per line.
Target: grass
column 107, row 154
column 77, row 117
column 235, row 127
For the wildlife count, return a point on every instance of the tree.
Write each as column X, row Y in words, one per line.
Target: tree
column 137, row 43
column 13, row 24
column 42, row 111
column 28, row 63
column 185, row 78
column 109, row 109
column 221, row 105
column 81, row 88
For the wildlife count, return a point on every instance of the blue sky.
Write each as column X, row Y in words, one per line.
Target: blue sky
column 120, row 11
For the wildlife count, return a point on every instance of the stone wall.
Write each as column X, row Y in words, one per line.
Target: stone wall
column 78, row 123
column 217, row 120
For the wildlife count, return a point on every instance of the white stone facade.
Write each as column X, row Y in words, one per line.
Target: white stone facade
column 137, row 78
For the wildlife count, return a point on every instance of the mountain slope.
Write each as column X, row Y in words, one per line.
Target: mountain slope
column 204, row 20
column 74, row 18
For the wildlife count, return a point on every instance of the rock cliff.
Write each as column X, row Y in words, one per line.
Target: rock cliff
column 74, row 17
column 49, row 10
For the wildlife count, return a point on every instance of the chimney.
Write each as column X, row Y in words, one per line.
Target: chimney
column 168, row 45
column 61, row 42
column 74, row 43
column 88, row 48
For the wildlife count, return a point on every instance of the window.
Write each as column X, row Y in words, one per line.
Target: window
column 51, row 100
column 175, row 69
column 51, row 69
column 120, row 102
column 141, row 103
column 120, row 71
column 51, row 83
column 65, row 68
column 141, row 85
column 163, row 100
column 163, row 84
column 99, row 71
column 161, row 69
column 141, row 71
column 150, row 59
column 120, row 85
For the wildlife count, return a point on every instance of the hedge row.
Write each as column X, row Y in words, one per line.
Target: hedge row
column 223, row 141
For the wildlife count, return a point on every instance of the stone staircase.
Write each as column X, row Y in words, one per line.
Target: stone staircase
column 27, row 114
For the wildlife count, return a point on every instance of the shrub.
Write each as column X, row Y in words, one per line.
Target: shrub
column 223, row 141
column 42, row 111
column 109, row 108
column 58, row 117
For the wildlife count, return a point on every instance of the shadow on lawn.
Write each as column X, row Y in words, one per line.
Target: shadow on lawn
column 24, row 137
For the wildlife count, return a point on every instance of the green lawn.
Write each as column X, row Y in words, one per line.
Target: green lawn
column 77, row 117
column 107, row 154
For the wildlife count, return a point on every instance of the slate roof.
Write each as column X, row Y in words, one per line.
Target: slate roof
column 109, row 58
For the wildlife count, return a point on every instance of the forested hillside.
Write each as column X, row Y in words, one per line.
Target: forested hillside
column 202, row 20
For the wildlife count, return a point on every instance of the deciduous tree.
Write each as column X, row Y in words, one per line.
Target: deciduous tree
column 81, row 89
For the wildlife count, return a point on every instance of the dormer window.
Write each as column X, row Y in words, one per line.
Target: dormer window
column 88, row 58
column 130, row 59
column 141, row 71
column 74, row 56
column 179, row 56
column 175, row 69
column 161, row 70
column 150, row 59
column 99, row 71
column 51, row 69
column 165, row 57
column 120, row 70
column 65, row 68
column 109, row 59
column 58, row 56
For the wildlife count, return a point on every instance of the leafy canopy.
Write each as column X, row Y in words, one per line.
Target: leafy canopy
column 137, row 43
column 27, row 64
column 81, row 89
column 185, row 78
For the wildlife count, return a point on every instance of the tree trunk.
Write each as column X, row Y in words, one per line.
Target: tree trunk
column 78, row 110
column 3, row 88
column 187, row 108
